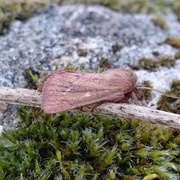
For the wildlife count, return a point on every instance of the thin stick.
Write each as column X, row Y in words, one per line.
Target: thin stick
column 20, row 96
column 131, row 111
column 125, row 111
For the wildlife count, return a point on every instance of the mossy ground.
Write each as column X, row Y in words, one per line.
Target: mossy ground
column 77, row 146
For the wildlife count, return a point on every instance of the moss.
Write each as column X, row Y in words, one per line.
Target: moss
column 145, row 94
column 31, row 77
column 82, row 52
column 104, row 64
column 166, row 61
column 77, row 146
column 160, row 21
column 175, row 4
column 177, row 55
column 148, row 64
column 79, row 67
column 116, row 47
column 153, row 64
column 15, row 9
column 156, row 53
column 175, row 42
column 171, row 104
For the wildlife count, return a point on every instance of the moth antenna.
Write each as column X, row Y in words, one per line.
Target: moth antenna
column 148, row 88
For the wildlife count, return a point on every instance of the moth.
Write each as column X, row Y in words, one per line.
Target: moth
column 66, row 90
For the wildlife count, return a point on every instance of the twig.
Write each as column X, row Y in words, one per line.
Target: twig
column 20, row 96
column 125, row 111
column 131, row 111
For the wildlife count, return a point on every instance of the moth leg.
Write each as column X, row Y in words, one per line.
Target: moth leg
column 90, row 106
column 119, row 99
column 135, row 99
column 96, row 105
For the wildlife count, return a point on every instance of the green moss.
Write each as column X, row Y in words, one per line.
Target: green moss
column 177, row 55
column 145, row 94
column 31, row 77
column 175, row 5
column 82, row 52
column 159, row 21
column 116, row 47
column 76, row 146
column 79, row 67
column 104, row 64
column 153, row 64
column 175, row 42
column 171, row 104
column 149, row 64
column 166, row 61
column 15, row 9
column 156, row 53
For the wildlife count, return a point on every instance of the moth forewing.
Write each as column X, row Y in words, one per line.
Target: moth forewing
column 66, row 90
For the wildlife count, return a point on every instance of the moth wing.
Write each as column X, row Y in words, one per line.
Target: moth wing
column 65, row 90
column 41, row 84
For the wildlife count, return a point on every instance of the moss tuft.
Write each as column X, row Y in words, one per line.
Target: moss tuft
column 116, row 47
column 148, row 64
column 145, row 94
column 153, row 64
column 82, row 52
column 15, row 9
column 160, row 21
column 104, row 64
column 171, row 104
column 31, row 77
column 156, row 53
column 175, row 42
column 177, row 55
